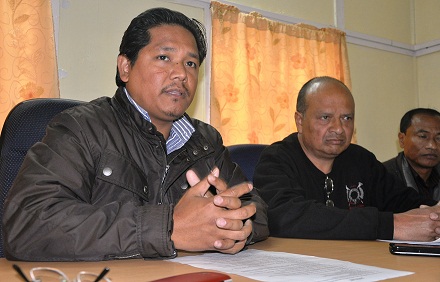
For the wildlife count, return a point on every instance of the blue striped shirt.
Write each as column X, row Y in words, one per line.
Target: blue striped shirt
column 180, row 133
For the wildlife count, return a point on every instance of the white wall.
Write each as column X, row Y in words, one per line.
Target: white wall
column 427, row 21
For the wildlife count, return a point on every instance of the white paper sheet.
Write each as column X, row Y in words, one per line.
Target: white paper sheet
column 436, row 242
column 279, row 266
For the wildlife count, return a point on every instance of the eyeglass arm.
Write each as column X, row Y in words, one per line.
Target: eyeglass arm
column 20, row 272
column 103, row 273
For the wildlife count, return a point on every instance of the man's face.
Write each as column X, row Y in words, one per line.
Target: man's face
column 163, row 79
column 421, row 142
column 327, row 126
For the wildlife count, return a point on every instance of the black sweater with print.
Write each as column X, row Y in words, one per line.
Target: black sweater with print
column 365, row 195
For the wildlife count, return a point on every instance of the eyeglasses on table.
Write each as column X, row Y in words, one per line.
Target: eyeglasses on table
column 49, row 274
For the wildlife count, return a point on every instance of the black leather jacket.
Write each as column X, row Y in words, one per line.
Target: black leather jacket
column 399, row 167
column 100, row 186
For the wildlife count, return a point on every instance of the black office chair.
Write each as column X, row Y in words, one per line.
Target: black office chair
column 24, row 126
column 246, row 156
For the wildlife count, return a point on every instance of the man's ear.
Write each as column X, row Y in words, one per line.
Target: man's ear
column 124, row 67
column 401, row 139
column 298, row 121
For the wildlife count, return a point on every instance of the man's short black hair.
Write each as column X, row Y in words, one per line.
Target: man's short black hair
column 406, row 120
column 138, row 36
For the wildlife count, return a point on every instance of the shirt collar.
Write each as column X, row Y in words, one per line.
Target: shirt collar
column 181, row 130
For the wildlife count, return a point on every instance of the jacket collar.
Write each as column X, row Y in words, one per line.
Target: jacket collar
column 409, row 179
column 181, row 131
column 123, row 105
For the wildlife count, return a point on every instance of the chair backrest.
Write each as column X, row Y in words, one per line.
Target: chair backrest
column 24, row 126
column 246, row 156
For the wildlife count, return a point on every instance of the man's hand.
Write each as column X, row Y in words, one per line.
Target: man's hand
column 203, row 221
column 418, row 224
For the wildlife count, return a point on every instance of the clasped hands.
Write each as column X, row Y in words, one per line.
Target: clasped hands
column 203, row 221
column 422, row 224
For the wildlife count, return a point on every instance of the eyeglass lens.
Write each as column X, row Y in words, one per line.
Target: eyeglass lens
column 48, row 274
column 328, row 188
column 90, row 277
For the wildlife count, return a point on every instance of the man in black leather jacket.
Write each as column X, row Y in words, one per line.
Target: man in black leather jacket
column 133, row 176
column 418, row 165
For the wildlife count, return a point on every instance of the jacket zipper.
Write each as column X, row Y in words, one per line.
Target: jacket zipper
column 167, row 168
column 127, row 257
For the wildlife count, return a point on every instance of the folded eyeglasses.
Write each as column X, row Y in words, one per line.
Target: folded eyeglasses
column 48, row 274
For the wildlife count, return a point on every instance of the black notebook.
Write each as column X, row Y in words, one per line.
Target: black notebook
column 415, row 249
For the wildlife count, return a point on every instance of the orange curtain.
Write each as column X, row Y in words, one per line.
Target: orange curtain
column 28, row 66
column 258, row 67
